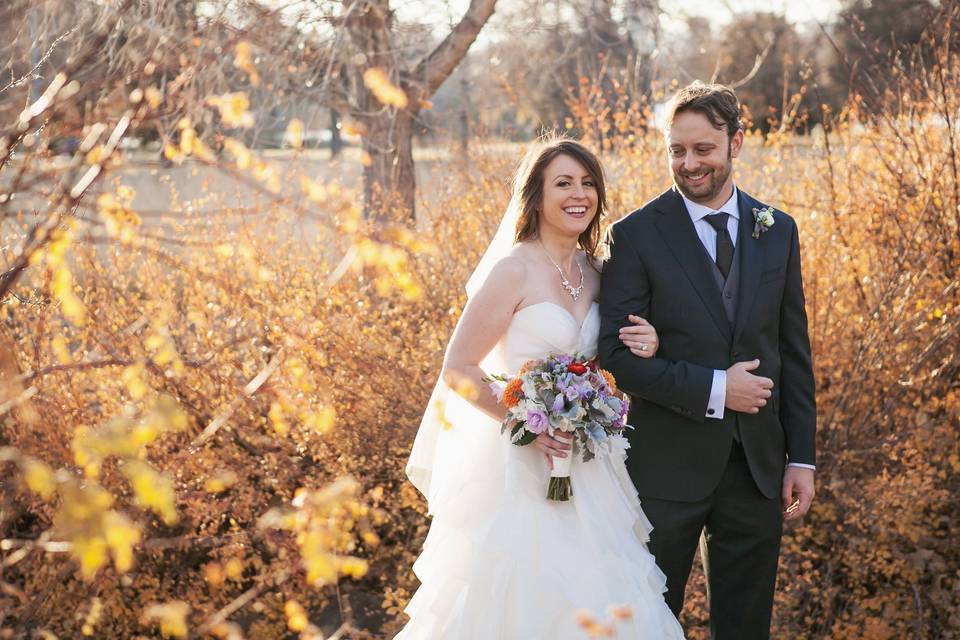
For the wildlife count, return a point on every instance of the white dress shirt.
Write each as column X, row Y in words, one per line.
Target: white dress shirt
column 708, row 236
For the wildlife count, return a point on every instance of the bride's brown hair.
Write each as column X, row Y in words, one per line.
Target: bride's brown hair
column 528, row 189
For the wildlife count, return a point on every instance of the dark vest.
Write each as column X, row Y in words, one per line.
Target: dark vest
column 729, row 289
column 729, row 294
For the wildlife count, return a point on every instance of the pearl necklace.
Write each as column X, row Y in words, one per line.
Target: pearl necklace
column 573, row 291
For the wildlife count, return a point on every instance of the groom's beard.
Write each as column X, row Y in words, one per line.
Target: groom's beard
column 709, row 189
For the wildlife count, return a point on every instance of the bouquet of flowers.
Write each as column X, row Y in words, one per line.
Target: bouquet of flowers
column 563, row 392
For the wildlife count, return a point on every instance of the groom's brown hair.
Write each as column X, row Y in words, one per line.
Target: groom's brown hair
column 528, row 187
column 717, row 102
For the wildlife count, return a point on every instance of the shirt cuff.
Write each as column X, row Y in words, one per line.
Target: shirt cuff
column 718, row 395
column 802, row 465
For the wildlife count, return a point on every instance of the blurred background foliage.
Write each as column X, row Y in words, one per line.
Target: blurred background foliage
column 234, row 242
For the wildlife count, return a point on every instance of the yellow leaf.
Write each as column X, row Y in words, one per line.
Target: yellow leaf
column 224, row 250
column 277, row 419
column 352, row 128
column 320, row 570
column 132, row 377
column 172, row 153
column 91, row 551
column 213, row 574
column 38, row 476
column 354, row 567
column 621, row 612
column 383, row 89
column 152, row 489
column 154, row 97
column 296, row 616
column 172, row 617
column 122, row 536
column 295, row 133
column 59, row 347
column 221, row 481
column 321, row 421
column 234, row 569
column 187, row 138
column 95, row 155
column 93, row 616
column 239, row 151
column 233, row 108
column 242, row 60
column 73, row 309
column 314, row 190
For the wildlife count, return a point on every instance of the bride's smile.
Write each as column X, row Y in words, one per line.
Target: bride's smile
column 569, row 197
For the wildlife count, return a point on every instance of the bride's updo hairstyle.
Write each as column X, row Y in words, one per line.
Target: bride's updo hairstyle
column 528, row 189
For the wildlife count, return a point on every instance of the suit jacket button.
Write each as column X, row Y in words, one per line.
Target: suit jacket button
column 710, row 412
column 735, row 354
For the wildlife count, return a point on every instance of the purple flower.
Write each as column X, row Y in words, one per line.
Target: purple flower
column 557, row 403
column 577, row 390
column 537, row 421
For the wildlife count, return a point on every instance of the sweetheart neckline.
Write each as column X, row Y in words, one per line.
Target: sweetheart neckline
column 593, row 305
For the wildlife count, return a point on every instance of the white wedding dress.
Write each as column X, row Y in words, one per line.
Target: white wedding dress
column 501, row 562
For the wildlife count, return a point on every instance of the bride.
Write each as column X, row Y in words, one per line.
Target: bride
column 501, row 562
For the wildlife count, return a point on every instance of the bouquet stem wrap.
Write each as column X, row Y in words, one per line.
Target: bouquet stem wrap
column 560, row 488
column 563, row 392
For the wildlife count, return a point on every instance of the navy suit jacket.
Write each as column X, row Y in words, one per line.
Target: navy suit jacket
column 659, row 270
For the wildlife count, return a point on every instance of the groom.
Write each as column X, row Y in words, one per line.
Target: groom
column 722, row 450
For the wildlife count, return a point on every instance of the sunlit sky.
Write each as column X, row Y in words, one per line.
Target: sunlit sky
column 442, row 13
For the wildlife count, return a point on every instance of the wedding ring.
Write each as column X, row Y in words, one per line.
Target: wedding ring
column 643, row 347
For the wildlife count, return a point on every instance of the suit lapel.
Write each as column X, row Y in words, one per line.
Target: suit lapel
column 676, row 229
column 750, row 252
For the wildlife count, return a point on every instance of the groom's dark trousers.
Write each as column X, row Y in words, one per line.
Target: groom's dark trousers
column 713, row 482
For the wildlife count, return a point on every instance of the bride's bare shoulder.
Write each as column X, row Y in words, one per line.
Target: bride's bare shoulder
column 517, row 261
column 509, row 275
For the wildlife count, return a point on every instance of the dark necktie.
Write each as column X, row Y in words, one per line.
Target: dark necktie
column 724, row 244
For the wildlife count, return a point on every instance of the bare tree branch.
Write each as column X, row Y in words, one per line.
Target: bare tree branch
column 440, row 63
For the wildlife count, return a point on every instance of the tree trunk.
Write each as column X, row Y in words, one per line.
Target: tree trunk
column 336, row 139
column 464, row 119
column 389, row 180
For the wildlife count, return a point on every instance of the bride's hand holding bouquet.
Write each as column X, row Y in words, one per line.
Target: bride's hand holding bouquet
column 565, row 397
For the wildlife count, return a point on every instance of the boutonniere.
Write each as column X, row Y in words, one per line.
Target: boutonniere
column 762, row 220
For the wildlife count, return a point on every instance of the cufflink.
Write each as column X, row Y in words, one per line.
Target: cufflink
column 710, row 412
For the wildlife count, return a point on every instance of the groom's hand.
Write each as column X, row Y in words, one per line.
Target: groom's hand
column 797, row 492
column 746, row 392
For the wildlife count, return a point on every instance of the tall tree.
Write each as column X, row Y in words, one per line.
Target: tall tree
column 374, row 72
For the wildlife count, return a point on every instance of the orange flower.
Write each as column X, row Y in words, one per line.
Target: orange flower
column 611, row 381
column 513, row 393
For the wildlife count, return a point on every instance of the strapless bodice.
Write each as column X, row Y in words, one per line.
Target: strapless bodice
column 543, row 328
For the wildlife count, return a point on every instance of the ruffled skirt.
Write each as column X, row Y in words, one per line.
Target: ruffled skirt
column 501, row 562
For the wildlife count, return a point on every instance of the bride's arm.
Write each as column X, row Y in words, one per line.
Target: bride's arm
column 639, row 336
column 483, row 322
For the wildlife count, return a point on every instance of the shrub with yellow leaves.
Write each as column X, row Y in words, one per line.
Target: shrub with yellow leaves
column 300, row 346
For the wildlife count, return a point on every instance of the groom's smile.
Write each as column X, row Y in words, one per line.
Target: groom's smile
column 694, row 180
column 701, row 158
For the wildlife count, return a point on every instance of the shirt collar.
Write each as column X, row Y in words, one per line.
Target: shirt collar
column 698, row 211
